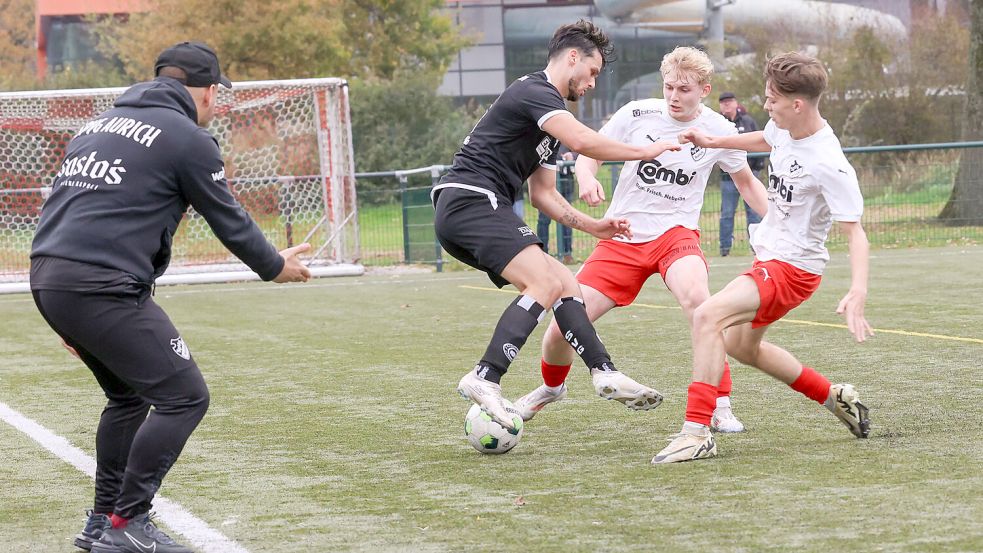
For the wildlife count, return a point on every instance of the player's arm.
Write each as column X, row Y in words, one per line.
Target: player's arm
column 852, row 304
column 545, row 197
column 585, row 141
column 751, row 190
column 749, row 141
column 590, row 189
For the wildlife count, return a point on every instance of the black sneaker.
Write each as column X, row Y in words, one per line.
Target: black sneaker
column 140, row 535
column 95, row 525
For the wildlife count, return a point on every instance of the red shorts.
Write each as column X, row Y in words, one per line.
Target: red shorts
column 782, row 288
column 619, row 269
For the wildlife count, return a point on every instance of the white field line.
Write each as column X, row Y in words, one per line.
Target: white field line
column 200, row 534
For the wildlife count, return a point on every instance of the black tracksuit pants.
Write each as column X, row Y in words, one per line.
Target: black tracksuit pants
column 140, row 361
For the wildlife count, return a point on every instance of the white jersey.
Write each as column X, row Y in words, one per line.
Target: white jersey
column 666, row 192
column 810, row 185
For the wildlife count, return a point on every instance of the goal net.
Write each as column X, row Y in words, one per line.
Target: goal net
column 288, row 160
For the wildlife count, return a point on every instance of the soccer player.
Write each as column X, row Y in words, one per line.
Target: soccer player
column 810, row 185
column 661, row 199
column 103, row 239
column 518, row 138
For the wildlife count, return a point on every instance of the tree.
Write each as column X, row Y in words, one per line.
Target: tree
column 17, row 44
column 286, row 39
column 965, row 205
column 404, row 126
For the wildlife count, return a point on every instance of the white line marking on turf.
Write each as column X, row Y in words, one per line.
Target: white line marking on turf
column 173, row 514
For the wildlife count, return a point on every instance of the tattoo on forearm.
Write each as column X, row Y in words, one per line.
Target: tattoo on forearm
column 570, row 219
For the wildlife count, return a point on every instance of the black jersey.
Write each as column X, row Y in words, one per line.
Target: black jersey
column 508, row 144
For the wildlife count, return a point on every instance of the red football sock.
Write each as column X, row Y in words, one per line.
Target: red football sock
column 700, row 402
column 725, row 383
column 812, row 385
column 554, row 375
column 118, row 521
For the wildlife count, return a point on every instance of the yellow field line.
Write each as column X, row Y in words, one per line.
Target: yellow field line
column 793, row 321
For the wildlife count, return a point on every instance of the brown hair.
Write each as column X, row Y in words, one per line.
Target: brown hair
column 584, row 36
column 795, row 74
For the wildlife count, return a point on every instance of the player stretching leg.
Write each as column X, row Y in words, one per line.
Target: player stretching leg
column 810, row 185
column 662, row 201
column 517, row 139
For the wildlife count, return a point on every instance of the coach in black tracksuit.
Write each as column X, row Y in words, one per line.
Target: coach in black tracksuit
column 104, row 237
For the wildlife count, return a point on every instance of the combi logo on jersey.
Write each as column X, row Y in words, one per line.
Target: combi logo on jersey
column 180, row 348
column 651, row 172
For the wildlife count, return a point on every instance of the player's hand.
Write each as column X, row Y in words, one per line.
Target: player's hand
column 852, row 308
column 695, row 136
column 70, row 349
column 659, row 147
column 591, row 190
column 293, row 269
column 612, row 228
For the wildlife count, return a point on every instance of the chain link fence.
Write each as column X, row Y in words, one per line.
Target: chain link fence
column 904, row 187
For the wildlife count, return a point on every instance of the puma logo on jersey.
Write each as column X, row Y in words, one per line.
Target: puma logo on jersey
column 765, row 273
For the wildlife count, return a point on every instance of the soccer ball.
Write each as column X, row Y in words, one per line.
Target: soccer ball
column 486, row 435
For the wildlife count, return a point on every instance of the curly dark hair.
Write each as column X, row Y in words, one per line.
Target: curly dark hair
column 584, row 36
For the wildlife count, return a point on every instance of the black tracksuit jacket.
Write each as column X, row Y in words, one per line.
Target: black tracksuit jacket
column 126, row 180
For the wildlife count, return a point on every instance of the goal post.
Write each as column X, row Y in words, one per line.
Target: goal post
column 287, row 148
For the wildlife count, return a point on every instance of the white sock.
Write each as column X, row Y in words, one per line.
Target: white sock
column 694, row 428
column 553, row 389
column 723, row 401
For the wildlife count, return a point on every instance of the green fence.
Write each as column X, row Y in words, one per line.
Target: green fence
column 904, row 188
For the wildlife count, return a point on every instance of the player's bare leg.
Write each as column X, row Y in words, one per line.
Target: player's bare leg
column 737, row 302
column 748, row 346
column 688, row 282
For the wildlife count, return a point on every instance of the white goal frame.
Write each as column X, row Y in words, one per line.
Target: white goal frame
column 287, row 145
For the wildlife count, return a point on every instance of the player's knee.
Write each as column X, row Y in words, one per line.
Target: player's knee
column 690, row 301
column 704, row 319
column 547, row 289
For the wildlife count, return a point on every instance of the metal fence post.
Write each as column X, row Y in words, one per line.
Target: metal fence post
column 406, row 223
column 439, row 260
column 564, row 183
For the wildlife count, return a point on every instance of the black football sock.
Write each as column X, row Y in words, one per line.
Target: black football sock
column 514, row 327
column 571, row 317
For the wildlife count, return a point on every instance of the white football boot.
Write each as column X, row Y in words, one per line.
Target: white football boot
column 687, row 446
column 723, row 418
column 844, row 402
column 533, row 402
column 487, row 395
column 618, row 386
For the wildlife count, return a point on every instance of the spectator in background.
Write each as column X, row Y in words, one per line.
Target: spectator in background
column 565, row 186
column 737, row 114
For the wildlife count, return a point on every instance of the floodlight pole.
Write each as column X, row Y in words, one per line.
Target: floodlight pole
column 715, row 31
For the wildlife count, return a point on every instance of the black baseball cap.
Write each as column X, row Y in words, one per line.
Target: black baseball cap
column 197, row 60
column 726, row 96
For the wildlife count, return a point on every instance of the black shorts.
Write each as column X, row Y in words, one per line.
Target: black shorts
column 475, row 232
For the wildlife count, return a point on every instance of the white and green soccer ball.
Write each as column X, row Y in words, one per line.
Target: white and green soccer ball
column 486, row 435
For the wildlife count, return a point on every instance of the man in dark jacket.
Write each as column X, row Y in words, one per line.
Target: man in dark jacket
column 734, row 112
column 104, row 237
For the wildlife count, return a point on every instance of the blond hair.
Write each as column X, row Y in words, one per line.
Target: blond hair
column 796, row 74
column 686, row 59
